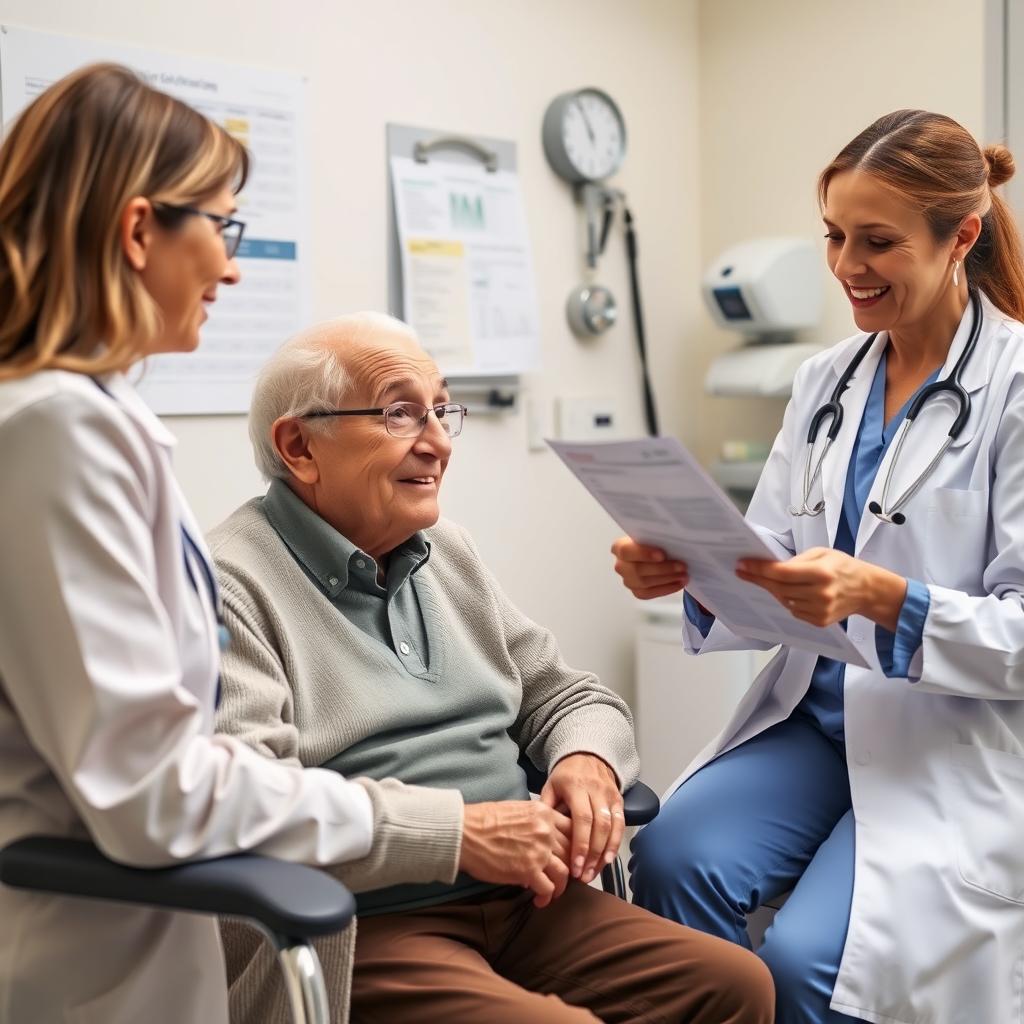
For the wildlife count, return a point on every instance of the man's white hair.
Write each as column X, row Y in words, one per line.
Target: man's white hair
column 308, row 374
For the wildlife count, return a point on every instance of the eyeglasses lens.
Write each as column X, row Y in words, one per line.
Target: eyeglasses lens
column 405, row 419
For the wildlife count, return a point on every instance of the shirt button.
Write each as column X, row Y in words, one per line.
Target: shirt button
column 863, row 758
column 360, row 564
column 404, row 647
column 856, row 637
column 333, row 581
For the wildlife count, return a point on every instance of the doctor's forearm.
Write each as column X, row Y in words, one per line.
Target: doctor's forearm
column 884, row 593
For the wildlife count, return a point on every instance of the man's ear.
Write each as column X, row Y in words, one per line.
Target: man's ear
column 137, row 231
column 291, row 439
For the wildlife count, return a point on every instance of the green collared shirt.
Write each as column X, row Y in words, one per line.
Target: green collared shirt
column 349, row 577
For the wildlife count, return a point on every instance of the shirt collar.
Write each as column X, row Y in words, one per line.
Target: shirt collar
column 326, row 554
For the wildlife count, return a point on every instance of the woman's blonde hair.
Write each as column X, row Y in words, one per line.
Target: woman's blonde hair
column 72, row 161
column 935, row 165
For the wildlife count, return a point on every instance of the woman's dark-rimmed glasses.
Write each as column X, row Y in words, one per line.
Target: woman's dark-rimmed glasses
column 231, row 230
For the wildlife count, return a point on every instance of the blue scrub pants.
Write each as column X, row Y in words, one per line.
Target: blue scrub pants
column 773, row 813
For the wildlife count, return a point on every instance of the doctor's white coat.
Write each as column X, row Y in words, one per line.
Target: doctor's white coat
column 108, row 670
column 936, row 761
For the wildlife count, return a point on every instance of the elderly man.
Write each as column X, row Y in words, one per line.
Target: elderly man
column 369, row 639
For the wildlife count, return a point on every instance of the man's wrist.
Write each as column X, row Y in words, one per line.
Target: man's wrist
column 589, row 754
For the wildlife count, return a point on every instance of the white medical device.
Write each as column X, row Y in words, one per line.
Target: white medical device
column 766, row 288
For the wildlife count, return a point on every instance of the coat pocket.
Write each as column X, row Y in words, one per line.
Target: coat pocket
column 989, row 819
column 956, row 538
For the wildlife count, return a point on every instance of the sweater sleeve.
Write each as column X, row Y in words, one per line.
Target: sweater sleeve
column 564, row 710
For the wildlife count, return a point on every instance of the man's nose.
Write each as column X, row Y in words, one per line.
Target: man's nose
column 434, row 436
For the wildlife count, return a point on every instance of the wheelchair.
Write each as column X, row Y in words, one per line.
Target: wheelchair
column 290, row 903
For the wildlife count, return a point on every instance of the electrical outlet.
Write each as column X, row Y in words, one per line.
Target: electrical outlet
column 587, row 418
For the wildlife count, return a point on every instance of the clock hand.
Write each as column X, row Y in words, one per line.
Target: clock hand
column 586, row 120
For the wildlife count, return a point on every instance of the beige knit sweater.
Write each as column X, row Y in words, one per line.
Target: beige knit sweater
column 297, row 686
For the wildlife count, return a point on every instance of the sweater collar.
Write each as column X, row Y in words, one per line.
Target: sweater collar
column 330, row 557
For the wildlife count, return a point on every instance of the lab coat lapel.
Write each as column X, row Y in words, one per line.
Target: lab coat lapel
column 929, row 432
column 834, row 468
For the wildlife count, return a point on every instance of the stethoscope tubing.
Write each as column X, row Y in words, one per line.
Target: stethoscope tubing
column 833, row 408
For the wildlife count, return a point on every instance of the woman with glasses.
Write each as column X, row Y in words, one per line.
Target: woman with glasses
column 117, row 231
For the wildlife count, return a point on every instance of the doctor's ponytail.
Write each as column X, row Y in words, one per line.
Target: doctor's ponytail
column 935, row 165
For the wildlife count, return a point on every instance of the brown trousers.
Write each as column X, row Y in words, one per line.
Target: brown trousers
column 497, row 959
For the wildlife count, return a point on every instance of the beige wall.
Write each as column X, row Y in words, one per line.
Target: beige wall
column 784, row 84
column 732, row 108
column 488, row 67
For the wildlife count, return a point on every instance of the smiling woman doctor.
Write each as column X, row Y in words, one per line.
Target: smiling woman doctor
column 891, row 797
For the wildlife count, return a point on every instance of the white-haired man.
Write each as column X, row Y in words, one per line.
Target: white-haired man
column 368, row 638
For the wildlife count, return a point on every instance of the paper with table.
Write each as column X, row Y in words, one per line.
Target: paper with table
column 660, row 495
column 467, row 270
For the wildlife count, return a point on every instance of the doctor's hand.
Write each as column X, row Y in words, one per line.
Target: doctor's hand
column 585, row 788
column 647, row 571
column 517, row 842
column 823, row 586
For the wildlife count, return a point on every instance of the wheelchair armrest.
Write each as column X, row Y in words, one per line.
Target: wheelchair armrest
column 640, row 802
column 286, row 899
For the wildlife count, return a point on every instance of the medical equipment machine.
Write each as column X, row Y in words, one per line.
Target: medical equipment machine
column 765, row 288
column 949, row 385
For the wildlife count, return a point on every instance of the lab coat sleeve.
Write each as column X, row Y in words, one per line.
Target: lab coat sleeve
column 90, row 664
column 973, row 646
column 769, row 515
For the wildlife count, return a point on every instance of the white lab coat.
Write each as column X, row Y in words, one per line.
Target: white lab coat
column 936, row 762
column 108, row 669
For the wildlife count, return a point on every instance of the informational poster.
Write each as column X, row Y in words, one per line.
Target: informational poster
column 266, row 111
column 467, row 272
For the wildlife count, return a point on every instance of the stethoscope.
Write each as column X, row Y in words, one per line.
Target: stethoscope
column 833, row 408
column 191, row 548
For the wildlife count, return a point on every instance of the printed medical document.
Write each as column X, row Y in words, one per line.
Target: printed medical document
column 660, row 495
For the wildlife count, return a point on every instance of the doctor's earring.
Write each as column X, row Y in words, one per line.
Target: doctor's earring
column 956, row 273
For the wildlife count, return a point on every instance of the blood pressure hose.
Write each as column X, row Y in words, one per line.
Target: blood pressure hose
column 650, row 410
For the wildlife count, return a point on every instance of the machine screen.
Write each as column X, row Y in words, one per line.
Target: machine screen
column 731, row 303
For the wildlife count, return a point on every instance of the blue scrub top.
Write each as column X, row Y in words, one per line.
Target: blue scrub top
column 823, row 702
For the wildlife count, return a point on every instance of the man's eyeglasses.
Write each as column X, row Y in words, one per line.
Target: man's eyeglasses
column 231, row 230
column 408, row 419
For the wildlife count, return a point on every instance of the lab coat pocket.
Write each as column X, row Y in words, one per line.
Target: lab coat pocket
column 988, row 814
column 955, row 540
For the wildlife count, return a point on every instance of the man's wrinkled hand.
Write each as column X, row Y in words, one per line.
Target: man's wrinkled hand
column 585, row 787
column 517, row 842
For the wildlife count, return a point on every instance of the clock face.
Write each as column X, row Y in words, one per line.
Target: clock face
column 593, row 134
